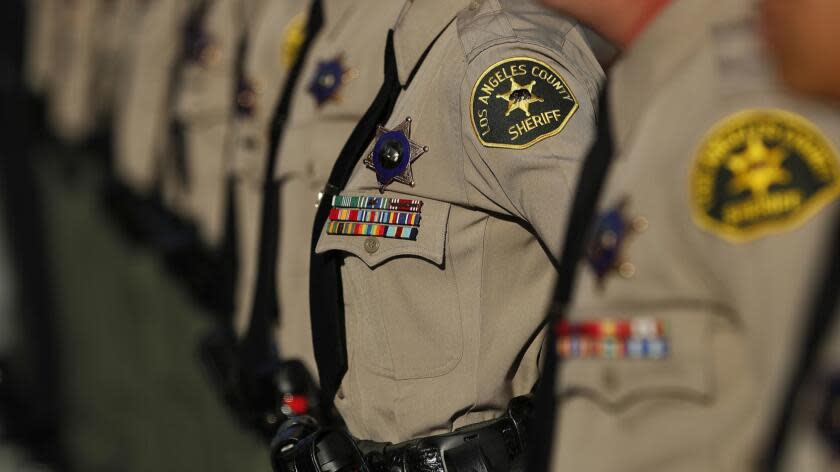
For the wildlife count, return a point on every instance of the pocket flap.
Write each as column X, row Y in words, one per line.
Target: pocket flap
column 384, row 227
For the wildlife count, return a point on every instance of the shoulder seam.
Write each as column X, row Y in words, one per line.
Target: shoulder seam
column 513, row 37
column 510, row 33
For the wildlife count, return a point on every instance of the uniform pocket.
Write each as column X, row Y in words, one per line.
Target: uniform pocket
column 618, row 374
column 402, row 291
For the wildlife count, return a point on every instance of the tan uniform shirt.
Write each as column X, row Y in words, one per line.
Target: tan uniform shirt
column 71, row 110
column 91, row 44
column 142, row 119
column 41, row 27
column 273, row 40
column 341, row 76
column 115, row 23
column 689, row 303
column 204, row 109
column 91, row 41
column 124, row 43
column 446, row 289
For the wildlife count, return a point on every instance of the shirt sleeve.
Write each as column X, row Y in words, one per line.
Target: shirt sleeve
column 531, row 121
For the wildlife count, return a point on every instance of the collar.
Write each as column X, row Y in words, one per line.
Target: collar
column 420, row 22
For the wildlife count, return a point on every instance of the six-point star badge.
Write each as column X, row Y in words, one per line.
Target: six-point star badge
column 330, row 77
column 605, row 251
column 392, row 155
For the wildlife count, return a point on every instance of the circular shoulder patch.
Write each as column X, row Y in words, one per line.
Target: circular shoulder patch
column 519, row 102
column 762, row 172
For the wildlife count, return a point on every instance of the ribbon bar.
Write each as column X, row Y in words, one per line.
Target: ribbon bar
column 583, row 347
column 375, row 216
column 377, row 203
column 372, row 229
column 641, row 327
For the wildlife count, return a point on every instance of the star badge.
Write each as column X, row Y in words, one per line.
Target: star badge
column 392, row 155
column 605, row 251
column 520, row 97
column 330, row 77
column 757, row 168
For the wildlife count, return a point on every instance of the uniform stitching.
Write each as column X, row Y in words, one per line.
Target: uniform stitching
column 481, row 46
column 461, row 137
column 480, row 310
column 447, row 249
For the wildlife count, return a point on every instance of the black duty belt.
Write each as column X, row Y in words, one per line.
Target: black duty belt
column 497, row 445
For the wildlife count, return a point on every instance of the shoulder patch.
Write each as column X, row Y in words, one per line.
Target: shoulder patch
column 294, row 34
column 518, row 102
column 762, row 172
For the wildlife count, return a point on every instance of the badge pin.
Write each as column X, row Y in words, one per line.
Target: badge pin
column 605, row 251
column 392, row 155
column 246, row 97
column 330, row 77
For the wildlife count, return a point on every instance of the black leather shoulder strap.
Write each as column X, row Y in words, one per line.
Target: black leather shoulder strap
column 821, row 319
column 590, row 183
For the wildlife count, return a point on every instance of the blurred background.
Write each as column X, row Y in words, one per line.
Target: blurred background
column 99, row 364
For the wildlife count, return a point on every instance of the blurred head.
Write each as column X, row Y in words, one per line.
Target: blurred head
column 802, row 35
column 619, row 21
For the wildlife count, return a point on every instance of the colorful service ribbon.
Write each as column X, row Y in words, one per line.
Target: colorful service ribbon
column 393, row 218
column 640, row 338
column 643, row 327
column 401, row 218
column 377, row 203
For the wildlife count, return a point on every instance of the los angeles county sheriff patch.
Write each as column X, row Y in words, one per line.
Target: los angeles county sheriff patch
column 519, row 102
column 762, row 172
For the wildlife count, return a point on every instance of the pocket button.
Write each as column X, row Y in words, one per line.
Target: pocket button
column 609, row 379
column 371, row 245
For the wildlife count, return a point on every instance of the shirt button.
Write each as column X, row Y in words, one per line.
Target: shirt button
column 249, row 142
column 371, row 245
column 609, row 379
